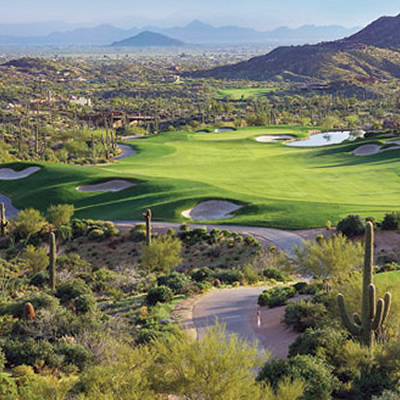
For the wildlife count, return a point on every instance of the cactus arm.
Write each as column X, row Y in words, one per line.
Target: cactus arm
column 353, row 328
column 371, row 301
column 357, row 319
column 377, row 321
column 52, row 264
column 386, row 308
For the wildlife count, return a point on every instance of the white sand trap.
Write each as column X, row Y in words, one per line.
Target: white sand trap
column 8, row 174
column 221, row 130
column 370, row 149
column 116, row 185
column 272, row 138
column 211, row 210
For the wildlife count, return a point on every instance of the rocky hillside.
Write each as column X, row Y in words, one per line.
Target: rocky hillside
column 372, row 52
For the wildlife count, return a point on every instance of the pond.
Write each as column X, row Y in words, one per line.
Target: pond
column 326, row 138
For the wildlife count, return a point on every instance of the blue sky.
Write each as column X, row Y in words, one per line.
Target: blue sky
column 260, row 14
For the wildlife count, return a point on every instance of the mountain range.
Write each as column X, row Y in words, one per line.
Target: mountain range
column 372, row 53
column 195, row 32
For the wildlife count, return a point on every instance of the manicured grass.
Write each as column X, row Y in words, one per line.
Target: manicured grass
column 244, row 93
column 279, row 186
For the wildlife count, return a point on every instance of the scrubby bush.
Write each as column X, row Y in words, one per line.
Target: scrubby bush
column 277, row 296
column 308, row 288
column 304, row 314
column 162, row 254
column 159, row 294
column 28, row 223
column 60, row 214
column 276, row 274
column 317, row 375
column 138, row 233
column 228, row 276
column 176, row 281
column 202, row 274
column 351, row 226
column 77, row 295
column 391, row 221
column 74, row 354
column 326, row 343
column 40, row 279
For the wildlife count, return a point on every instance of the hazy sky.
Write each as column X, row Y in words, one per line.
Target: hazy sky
column 260, row 14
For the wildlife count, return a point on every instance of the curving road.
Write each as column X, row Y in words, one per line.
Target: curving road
column 237, row 310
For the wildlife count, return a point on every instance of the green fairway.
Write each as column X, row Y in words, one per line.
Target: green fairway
column 244, row 93
column 279, row 186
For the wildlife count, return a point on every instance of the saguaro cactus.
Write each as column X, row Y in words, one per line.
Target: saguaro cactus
column 373, row 314
column 3, row 219
column 52, row 263
column 147, row 217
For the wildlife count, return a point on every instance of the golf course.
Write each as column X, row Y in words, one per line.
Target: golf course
column 271, row 183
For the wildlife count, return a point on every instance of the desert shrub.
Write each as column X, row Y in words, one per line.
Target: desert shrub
column 77, row 295
column 30, row 352
column 102, row 279
column 162, row 254
column 304, row 314
column 325, row 343
column 316, row 374
column 35, row 259
column 74, row 354
column 28, row 223
column 8, row 386
column 388, row 395
column 176, row 281
column 40, row 279
column 84, row 303
column 228, row 276
column 391, row 221
column 60, row 214
column 277, row 296
column 96, row 234
column 276, row 274
column 308, row 288
column 138, row 233
column 250, row 274
column 2, row 360
column 159, row 294
column 351, row 226
column 252, row 241
column 202, row 274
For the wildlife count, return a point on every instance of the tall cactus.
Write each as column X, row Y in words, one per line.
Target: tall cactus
column 52, row 263
column 3, row 219
column 147, row 217
column 373, row 314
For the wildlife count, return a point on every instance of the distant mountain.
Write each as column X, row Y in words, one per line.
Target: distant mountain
column 371, row 53
column 149, row 39
column 195, row 32
column 384, row 32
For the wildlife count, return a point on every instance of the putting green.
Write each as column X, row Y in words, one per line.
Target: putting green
column 279, row 186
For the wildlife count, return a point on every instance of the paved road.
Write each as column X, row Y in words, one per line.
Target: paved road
column 284, row 239
column 237, row 310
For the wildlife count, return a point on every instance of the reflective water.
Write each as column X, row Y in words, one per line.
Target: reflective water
column 325, row 139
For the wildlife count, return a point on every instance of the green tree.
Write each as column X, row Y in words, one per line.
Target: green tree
column 36, row 259
column 334, row 258
column 28, row 223
column 61, row 214
column 162, row 254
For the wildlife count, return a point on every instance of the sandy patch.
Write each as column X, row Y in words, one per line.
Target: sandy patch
column 221, row 130
column 115, row 185
column 370, row 149
column 211, row 210
column 272, row 138
column 8, row 174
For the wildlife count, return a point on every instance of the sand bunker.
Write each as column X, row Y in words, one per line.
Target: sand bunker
column 8, row 174
column 211, row 210
column 116, row 185
column 370, row 149
column 127, row 151
column 221, row 130
column 272, row 138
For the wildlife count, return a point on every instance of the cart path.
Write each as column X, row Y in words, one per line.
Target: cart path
column 237, row 310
